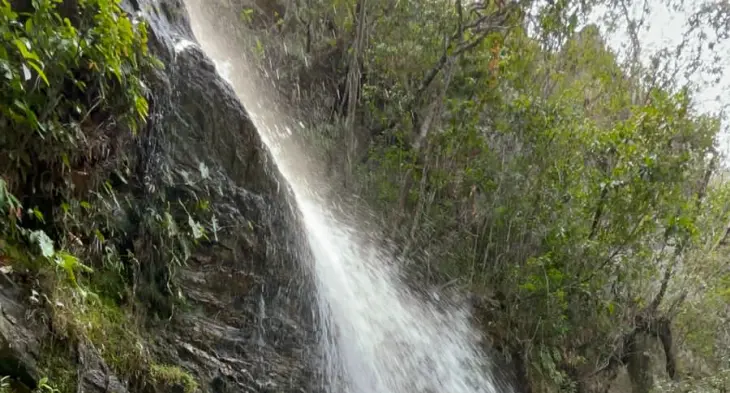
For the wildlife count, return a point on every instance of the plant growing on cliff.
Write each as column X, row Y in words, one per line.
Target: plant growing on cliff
column 69, row 82
column 169, row 377
column 72, row 97
column 45, row 386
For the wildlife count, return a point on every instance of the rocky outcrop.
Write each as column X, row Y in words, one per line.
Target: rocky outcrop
column 245, row 323
column 94, row 375
column 246, row 327
column 19, row 346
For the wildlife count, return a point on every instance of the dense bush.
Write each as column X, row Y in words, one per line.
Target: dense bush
column 71, row 84
column 73, row 102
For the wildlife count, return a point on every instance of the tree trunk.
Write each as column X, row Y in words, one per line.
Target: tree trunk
column 353, row 90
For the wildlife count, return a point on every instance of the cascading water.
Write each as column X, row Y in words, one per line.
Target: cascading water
column 378, row 336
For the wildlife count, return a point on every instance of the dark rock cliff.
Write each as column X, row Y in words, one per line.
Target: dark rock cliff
column 246, row 323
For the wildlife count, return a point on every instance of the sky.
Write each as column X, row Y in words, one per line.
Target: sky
column 665, row 28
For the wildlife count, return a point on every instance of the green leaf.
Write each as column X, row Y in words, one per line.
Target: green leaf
column 30, row 116
column 170, row 225
column 247, row 15
column 99, row 236
column 41, row 74
column 44, row 242
column 142, row 107
column 70, row 264
column 24, row 46
column 38, row 215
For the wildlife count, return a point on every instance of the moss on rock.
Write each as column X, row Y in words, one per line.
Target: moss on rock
column 173, row 378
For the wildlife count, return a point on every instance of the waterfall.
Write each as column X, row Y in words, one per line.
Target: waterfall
column 377, row 335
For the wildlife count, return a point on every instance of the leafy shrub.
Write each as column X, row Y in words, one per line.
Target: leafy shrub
column 70, row 83
column 64, row 85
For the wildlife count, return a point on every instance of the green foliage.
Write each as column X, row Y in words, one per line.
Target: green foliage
column 67, row 82
column 71, row 92
column 168, row 377
column 100, row 40
column 45, row 386
column 532, row 167
column 78, row 79
column 113, row 332
column 716, row 383
column 100, row 322
column 58, row 363
column 62, row 81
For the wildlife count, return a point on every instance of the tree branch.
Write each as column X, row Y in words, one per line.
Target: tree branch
column 485, row 25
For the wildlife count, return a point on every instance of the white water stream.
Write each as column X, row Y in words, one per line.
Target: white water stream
column 378, row 336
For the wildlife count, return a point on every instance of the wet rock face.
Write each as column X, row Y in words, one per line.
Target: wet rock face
column 94, row 375
column 246, row 324
column 20, row 343
column 246, row 321
column 19, row 346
